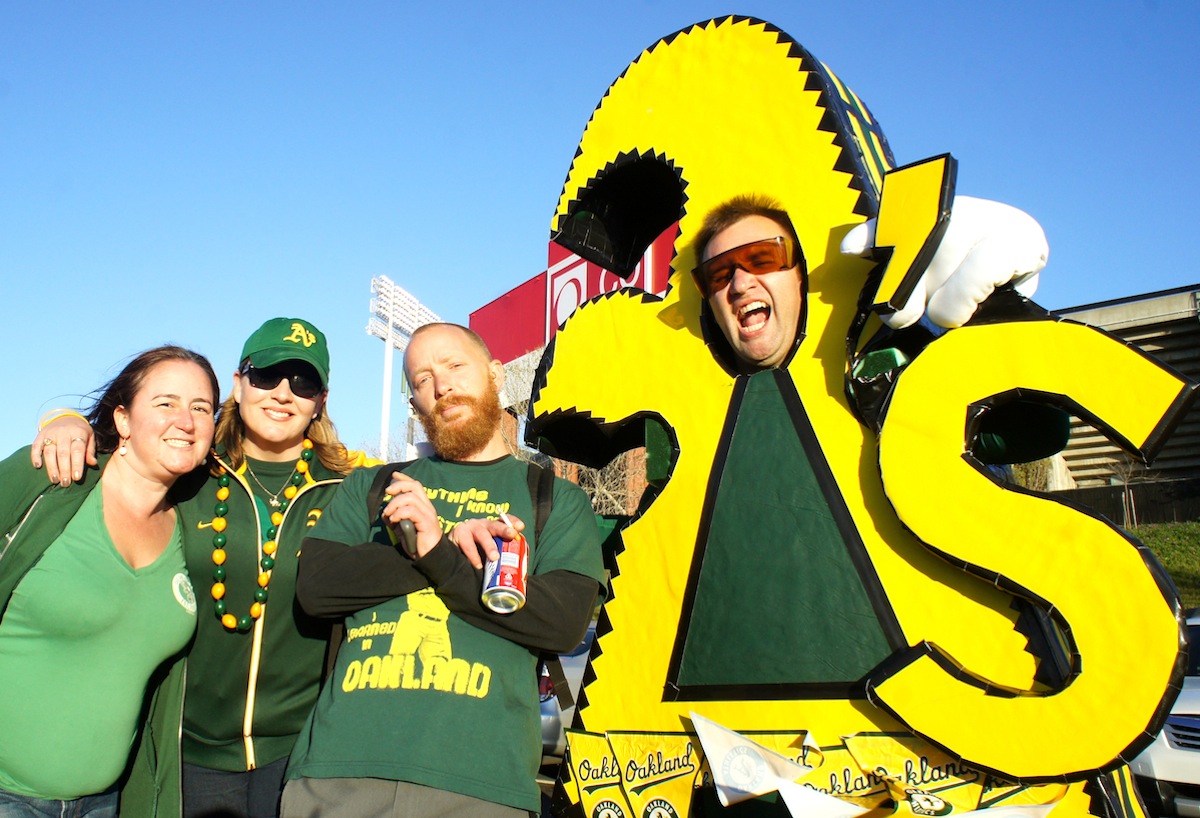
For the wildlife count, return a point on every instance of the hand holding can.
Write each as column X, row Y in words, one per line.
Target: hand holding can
column 504, row 578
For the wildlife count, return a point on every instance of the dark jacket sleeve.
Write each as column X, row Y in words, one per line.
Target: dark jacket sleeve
column 334, row 580
column 554, row 619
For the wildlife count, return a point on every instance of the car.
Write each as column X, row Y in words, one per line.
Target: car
column 1168, row 771
column 554, row 718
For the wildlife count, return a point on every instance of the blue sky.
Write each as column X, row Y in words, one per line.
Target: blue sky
column 183, row 171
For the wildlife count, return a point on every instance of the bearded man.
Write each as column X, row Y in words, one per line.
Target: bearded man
column 401, row 732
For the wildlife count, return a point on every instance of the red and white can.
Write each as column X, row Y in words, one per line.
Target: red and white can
column 504, row 578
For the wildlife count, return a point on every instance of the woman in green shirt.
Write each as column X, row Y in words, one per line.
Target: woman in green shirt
column 93, row 590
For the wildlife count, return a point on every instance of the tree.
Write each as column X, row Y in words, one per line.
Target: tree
column 1124, row 469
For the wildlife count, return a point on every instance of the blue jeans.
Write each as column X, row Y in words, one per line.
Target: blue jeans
column 219, row 794
column 103, row 805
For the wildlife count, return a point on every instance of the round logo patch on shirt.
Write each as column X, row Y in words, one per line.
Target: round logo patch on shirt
column 185, row 595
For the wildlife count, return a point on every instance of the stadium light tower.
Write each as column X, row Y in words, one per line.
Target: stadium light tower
column 395, row 315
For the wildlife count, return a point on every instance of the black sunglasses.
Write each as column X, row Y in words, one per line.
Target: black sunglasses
column 302, row 378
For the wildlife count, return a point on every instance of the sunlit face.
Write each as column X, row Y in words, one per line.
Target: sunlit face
column 455, row 391
column 275, row 419
column 758, row 314
column 167, row 429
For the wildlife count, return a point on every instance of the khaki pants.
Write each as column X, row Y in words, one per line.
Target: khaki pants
column 376, row 798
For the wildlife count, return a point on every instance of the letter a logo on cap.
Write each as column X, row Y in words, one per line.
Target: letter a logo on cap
column 300, row 335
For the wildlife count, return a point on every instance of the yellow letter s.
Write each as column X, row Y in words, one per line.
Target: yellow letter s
column 1114, row 605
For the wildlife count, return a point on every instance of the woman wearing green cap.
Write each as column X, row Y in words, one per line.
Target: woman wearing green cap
column 254, row 668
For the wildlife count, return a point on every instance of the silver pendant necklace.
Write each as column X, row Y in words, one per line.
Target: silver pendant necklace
column 272, row 499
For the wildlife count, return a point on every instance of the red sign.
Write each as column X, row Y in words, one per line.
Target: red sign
column 515, row 323
column 526, row 317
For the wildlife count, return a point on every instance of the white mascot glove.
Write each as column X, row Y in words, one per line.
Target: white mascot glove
column 987, row 245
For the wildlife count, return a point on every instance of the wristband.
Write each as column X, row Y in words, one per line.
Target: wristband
column 55, row 414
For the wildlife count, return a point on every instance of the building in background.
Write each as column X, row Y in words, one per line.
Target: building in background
column 525, row 318
column 1165, row 324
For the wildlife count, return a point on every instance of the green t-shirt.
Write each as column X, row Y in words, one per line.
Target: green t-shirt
column 81, row 636
column 220, row 672
column 420, row 695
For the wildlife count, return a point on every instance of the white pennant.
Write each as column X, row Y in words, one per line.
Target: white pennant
column 743, row 769
column 810, row 803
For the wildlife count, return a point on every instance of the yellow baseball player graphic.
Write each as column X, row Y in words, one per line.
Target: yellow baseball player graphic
column 422, row 630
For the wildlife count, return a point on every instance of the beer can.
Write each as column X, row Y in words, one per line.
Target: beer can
column 504, row 578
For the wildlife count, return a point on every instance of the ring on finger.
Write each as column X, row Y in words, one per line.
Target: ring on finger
column 80, row 439
column 49, row 442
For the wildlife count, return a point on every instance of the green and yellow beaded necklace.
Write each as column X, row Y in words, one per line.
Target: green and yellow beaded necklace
column 245, row 622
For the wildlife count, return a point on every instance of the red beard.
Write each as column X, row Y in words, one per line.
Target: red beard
column 461, row 438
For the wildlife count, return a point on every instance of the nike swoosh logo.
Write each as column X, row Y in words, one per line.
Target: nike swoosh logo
column 202, row 526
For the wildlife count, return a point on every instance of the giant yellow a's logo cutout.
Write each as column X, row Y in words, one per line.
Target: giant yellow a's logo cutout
column 800, row 577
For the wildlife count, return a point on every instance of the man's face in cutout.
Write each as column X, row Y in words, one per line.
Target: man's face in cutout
column 758, row 314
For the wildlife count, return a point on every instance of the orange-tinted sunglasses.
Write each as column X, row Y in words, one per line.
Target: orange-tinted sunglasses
column 756, row 258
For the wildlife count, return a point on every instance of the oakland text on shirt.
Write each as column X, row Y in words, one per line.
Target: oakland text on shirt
column 420, row 656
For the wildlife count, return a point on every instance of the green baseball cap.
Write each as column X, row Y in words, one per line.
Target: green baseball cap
column 288, row 339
